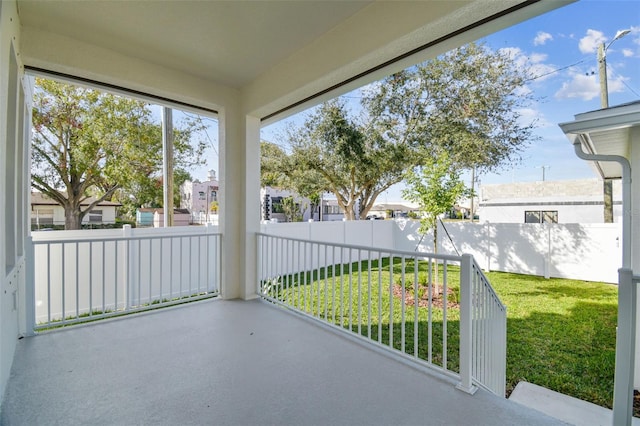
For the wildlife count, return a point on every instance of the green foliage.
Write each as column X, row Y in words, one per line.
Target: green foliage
column 464, row 104
column 91, row 143
column 292, row 210
column 435, row 187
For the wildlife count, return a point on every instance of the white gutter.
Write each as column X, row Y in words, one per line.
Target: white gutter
column 626, row 193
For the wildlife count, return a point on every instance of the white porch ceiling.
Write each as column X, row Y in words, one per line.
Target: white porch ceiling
column 274, row 53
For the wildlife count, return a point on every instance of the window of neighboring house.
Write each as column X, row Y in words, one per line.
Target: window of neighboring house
column 201, row 195
column 541, row 216
column 331, row 210
column 42, row 217
column 214, row 196
column 95, row 216
column 276, row 205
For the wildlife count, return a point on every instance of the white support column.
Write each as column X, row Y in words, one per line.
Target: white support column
column 239, row 201
column 634, row 159
column 625, row 344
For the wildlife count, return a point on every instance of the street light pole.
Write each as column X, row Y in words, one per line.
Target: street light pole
column 602, row 72
column 602, row 67
column 604, row 103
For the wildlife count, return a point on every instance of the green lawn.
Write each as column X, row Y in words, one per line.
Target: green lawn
column 560, row 333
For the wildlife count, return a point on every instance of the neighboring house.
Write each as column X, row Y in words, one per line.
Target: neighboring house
column 390, row 211
column 197, row 196
column 46, row 212
column 271, row 206
column 570, row 201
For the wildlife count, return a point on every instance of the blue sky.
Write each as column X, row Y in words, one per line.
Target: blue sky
column 560, row 46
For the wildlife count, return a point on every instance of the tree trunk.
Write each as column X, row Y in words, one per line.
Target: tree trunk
column 72, row 218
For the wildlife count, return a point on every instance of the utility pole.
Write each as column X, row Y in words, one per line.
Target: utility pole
column 167, row 165
column 544, row 168
column 607, row 185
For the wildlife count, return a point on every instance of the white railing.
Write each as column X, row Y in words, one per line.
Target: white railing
column 97, row 275
column 438, row 310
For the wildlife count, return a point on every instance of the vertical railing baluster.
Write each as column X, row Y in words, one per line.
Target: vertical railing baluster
column 402, row 305
column 445, row 324
column 49, row 283
column 77, row 264
column 379, row 297
column 391, row 300
column 350, row 291
column 104, row 281
column 359, row 292
column 63, row 284
column 430, row 312
column 369, row 294
column 416, row 301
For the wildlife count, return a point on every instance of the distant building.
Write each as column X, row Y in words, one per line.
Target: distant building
column 197, row 197
column 46, row 212
column 570, row 201
column 271, row 206
column 390, row 211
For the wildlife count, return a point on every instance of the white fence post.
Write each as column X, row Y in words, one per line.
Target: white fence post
column 625, row 346
column 466, row 324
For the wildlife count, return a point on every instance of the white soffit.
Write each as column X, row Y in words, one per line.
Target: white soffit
column 606, row 132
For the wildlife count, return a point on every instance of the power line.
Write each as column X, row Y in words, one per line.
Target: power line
column 555, row 71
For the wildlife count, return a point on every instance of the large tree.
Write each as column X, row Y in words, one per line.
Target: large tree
column 87, row 143
column 465, row 103
column 348, row 158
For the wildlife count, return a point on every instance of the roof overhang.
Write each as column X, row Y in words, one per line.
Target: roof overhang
column 268, row 59
column 608, row 131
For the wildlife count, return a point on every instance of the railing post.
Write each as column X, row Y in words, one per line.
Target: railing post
column 466, row 336
column 625, row 346
column 126, row 233
column 30, row 288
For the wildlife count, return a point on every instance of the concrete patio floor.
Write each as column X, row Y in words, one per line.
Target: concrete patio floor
column 231, row 363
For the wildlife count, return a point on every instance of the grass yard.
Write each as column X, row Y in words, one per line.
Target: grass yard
column 560, row 333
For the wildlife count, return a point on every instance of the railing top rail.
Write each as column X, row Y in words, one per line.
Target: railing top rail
column 60, row 240
column 369, row 248
column 489, row 286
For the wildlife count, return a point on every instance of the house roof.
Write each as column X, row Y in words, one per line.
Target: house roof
column 606, row 131
column 40, row 199
column 280, row 56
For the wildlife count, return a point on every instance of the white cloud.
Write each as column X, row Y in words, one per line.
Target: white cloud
column 627, row 53
column 585, row 87
column 542, row 38
column 532, row 115
column 589, row 43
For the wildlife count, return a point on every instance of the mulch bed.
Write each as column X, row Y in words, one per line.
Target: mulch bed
column 423, row 302
column 636, row 403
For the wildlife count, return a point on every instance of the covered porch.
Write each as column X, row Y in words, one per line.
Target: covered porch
column 236, row 363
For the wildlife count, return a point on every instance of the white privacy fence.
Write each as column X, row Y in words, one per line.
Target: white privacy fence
column 86, row 275
column 436, row 309
column 590, row 252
